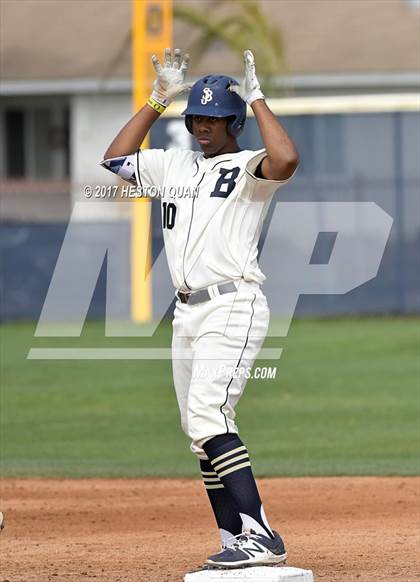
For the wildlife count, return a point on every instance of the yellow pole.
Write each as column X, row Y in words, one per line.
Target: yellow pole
column 152, row 33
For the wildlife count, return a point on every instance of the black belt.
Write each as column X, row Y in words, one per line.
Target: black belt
column 204, row 294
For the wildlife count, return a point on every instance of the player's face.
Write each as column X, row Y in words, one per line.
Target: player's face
column 212, row 135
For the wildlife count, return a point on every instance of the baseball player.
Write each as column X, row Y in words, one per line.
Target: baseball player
column 221, row 314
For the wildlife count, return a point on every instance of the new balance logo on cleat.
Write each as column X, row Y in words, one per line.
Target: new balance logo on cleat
column 251, row 549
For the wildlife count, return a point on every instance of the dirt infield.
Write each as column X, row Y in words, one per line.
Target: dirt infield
column 344, row 529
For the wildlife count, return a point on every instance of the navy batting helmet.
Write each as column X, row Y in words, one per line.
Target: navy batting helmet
column 210, row 96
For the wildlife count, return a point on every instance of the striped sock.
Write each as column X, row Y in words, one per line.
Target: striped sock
column 230, row 461
column 224, row 507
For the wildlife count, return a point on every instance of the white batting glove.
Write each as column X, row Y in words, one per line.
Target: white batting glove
column 249, row 90
column 170, row 80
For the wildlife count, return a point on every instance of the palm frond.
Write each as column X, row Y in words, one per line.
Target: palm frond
column 238, row 25
column 270, row 42
column 221, row 29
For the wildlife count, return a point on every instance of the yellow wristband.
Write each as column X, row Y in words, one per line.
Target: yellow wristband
column 155, row 105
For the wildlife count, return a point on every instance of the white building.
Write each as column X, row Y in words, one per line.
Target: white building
column 66, row 90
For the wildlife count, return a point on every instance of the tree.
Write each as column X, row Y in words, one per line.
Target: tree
column 239, row 25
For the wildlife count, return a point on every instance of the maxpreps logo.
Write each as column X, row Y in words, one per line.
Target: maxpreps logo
column 207, row 96
column 353, row 258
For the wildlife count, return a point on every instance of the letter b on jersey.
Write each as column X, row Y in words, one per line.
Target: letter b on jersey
column 226, row 183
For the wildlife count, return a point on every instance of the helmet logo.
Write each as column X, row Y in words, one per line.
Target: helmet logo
column 207, row 96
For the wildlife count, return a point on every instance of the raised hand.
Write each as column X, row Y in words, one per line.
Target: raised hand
column 170, row 80
column 249, row 89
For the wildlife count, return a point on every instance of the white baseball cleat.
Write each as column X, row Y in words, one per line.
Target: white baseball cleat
column 251, row 549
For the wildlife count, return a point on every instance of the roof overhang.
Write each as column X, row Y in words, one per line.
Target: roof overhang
column 329, row 82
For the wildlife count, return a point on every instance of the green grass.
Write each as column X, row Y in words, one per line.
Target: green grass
column 345, row 401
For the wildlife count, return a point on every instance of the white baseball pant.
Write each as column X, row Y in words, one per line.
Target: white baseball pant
column 214, row 343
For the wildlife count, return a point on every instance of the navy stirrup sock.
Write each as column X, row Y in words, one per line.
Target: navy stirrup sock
column 224, row 507
column 230, row 461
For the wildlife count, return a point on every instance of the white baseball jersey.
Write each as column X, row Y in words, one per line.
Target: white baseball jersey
column 212, row 211
column 212, row 215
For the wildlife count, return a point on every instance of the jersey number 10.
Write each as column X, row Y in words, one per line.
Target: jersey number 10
column 168, row 215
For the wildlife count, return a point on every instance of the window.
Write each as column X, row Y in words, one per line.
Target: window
column 14, row 143
column 35, row 141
